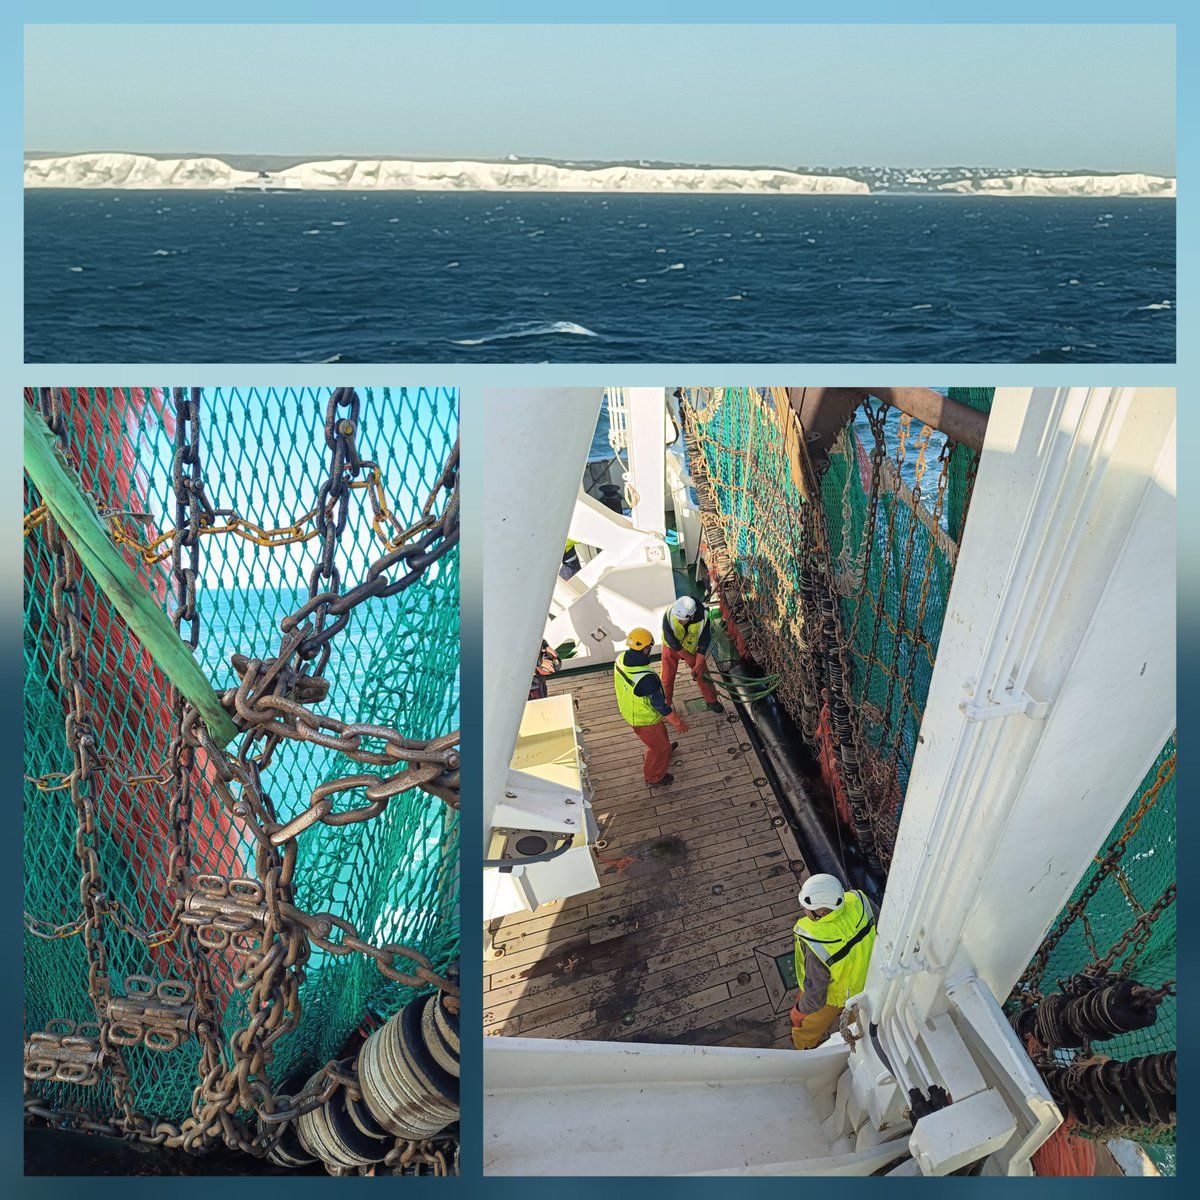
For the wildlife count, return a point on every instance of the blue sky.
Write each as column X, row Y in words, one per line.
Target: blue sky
column 1073, row 96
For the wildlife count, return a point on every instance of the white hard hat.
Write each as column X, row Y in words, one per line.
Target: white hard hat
column 685, row 609
column 822, row 891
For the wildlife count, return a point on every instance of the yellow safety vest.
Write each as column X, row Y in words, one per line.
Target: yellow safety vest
column 687, row 635
column 842, row 940
column 637, row 710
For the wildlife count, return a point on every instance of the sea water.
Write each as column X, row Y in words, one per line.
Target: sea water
column 601, row 448
column 129, row 276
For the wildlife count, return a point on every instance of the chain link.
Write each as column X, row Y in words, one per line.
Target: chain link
column 267, row 705
column 1027, row 987
column 66, row 605
column 837, row 616
column 272, row 938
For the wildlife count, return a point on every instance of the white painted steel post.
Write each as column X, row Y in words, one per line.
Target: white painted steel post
column 1054, row 688
column 528, row 503
column 647, row 408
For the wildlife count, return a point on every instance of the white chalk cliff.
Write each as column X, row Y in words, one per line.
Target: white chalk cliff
column 1064, row 185
column 399, row 175
column 346, row 174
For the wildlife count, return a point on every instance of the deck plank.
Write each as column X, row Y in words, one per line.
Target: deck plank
column 694, row 877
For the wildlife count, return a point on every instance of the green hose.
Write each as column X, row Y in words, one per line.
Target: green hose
column 744, row 689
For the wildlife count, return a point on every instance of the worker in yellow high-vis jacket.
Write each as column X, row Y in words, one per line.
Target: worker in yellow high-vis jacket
column 833, row 950
column 688, row 636
column 643, row 705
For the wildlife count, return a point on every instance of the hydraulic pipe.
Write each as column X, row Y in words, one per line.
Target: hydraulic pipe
column 76, row 517
column 811, row 811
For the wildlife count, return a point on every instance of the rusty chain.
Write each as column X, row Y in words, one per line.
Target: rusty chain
column 114, row 910
column 228, row 521
column 1138, row 934
column 218, row 521
column 267, row 705
column 820, row 621
column 276, row 940
column 66, row 606
column 1027, row 988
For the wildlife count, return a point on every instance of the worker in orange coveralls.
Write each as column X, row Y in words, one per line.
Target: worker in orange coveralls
column 686, row 635
column 642, row 703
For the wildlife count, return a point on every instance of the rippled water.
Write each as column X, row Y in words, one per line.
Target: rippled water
column 200, row 277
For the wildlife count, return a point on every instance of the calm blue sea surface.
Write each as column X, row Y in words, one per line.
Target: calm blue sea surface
column 203, row 277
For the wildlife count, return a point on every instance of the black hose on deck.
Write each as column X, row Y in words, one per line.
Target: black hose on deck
column 810, row 810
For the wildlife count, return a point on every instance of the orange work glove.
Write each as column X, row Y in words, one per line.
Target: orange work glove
column 679, row 723
column 797, row 1017
column 698, row 669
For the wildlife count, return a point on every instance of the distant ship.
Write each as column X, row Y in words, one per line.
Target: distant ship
column 266, row 182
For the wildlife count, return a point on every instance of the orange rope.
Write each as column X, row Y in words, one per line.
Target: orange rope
column 620, row 863
column 830, row 770
column 1062, row 1153
column 1065, row 1154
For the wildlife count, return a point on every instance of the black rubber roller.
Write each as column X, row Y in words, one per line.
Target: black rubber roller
column 288, row 1152
column 331, row 1134
column 404, row 1074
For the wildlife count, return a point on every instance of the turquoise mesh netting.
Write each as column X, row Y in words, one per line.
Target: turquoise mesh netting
column 394, row 877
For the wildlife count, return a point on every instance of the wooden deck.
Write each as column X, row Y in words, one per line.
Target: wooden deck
column 697, row 897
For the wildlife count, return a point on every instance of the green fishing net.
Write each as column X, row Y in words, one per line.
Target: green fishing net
column 395, row 877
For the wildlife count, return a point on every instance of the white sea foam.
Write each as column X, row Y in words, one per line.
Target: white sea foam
column 540, row 329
